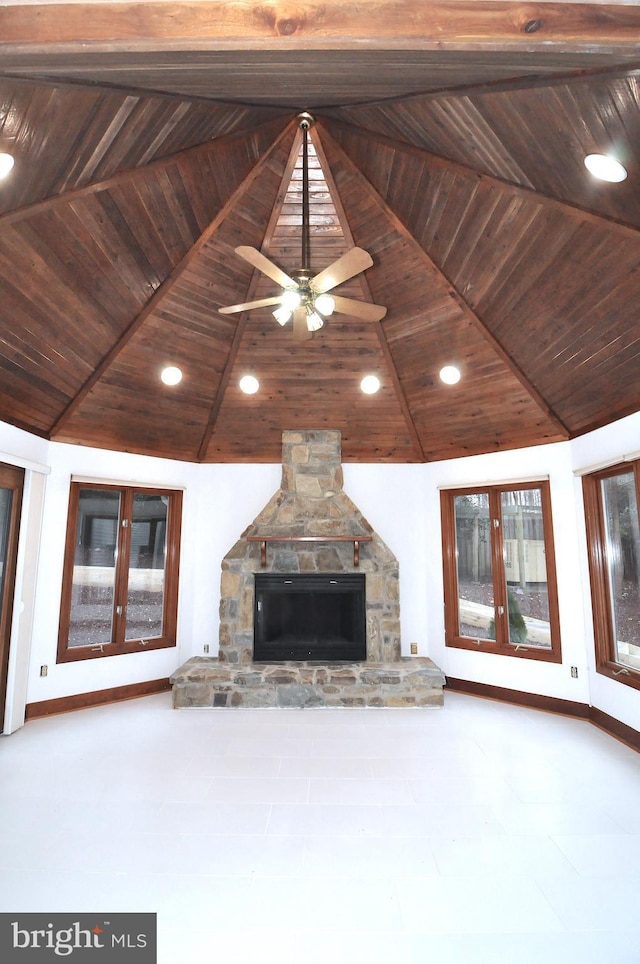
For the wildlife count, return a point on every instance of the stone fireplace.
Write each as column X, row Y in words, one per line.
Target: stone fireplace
column 309, row 533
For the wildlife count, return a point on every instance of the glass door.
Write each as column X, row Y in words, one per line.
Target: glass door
column 11, row 484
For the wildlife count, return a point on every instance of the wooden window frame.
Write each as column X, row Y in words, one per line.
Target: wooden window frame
column 117, row 647
column 603, row 623
column 501, row 645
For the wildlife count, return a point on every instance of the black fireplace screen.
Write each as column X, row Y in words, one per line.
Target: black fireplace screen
column 316, row 616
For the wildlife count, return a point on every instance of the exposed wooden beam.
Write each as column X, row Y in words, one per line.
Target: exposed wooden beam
column 463, row 24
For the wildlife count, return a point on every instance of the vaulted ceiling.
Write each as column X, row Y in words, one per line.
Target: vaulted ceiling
column 151, row 139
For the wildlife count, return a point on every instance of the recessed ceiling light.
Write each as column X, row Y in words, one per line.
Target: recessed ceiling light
column 370, row 384
column 450, row 375
column 171, row 375
column 605, row 167
column 249, row 384
column 6, row 163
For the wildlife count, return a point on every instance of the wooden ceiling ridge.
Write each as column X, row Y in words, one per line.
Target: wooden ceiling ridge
column 382, row 338
column 461, row 302
column 317, row 23
column 531, row 81
column 59, row 81
column 166, row 286
column 207, row 435
column 211, row 147
column 568, row 208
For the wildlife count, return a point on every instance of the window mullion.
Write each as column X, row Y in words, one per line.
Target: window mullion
column 122, row 567
column 497, row 557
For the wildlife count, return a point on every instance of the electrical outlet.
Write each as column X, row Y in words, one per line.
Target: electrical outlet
column 574, row 672
column 206, row 647
column 414, row 649
column 44, row 670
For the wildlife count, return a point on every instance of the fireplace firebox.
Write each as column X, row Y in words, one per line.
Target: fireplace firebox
column 309, row 616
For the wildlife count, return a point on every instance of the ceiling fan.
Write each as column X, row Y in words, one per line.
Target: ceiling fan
column 304, row 296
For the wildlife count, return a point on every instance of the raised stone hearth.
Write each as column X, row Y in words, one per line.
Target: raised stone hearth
column 410, row 682
column 309, row 525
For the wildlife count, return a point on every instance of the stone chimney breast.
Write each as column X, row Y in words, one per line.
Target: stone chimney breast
column 311, row 503
column 309, row 526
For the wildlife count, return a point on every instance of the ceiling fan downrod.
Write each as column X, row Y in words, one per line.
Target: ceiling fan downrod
column 303, row 275
column 306, row 120
column 305, row 296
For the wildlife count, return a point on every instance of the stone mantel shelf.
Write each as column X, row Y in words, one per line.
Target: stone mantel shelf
column 263, row 540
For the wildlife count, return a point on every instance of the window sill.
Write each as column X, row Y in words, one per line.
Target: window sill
column 620, row 674
column 113, row 649
column 490, row 646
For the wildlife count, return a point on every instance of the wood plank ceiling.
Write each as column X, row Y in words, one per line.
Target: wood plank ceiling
column 151, row 139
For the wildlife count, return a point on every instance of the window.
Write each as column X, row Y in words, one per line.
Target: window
column 499, row 571
column 120, row 582
column 611, row 499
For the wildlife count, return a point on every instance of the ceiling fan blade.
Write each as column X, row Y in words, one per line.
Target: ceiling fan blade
column 262, row 303
column 258, row 260
column 350, row 264
column 359, row 309
column 300, row 330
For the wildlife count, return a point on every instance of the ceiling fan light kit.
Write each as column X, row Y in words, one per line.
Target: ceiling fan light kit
column 304, row 296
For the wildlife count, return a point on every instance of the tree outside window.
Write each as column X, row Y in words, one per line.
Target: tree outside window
column 499, row 569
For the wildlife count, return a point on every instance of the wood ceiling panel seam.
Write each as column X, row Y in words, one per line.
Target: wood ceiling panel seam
column 467, row 260
column 67, row 306
column 541, row 260
column 285, row 177
column 141, row 212
column 125, row 337
column 212, row 147
column 119, row 271
column 569, row 209
column 467, row 310
column 86, row 169
column 165, row 127
column 379, row 329
column 99, row 284
column 131, row 260
column 498, row 160
column 177, row 204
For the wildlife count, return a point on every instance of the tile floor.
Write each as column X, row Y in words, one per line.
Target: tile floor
column 473, row 834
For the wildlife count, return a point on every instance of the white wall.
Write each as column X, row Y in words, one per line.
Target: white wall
column 606, row 445
column 401, row 502
column 391, row 498
column 551, row 679
column 30, row 453
column 230, row 497
column 83, row 676
column 22, row 448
